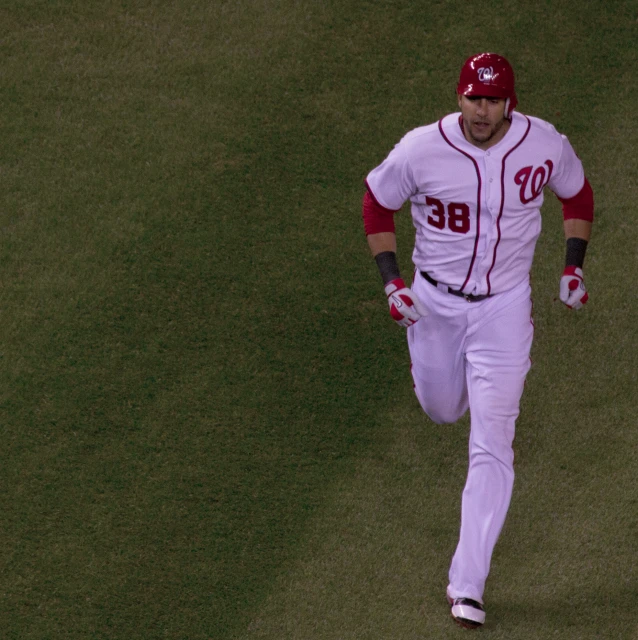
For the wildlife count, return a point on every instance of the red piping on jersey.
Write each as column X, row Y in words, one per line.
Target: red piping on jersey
column 500, row 213
column 478, row 201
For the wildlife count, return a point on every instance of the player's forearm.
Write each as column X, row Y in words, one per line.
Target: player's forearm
column 576, row 228
column 578, row 213
column 384, row 250
column 577, row 234
column 379, row 242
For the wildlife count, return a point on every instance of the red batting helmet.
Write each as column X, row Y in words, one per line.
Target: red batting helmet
column 489, row 75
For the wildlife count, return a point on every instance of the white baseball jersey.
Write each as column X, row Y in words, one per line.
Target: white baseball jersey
column 477, row 212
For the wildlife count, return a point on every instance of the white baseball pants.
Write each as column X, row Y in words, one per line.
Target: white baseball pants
column 475, row 355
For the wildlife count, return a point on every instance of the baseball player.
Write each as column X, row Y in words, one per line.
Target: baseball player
column 475, row 181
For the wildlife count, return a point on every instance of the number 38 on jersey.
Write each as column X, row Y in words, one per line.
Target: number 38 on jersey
column 455, row 215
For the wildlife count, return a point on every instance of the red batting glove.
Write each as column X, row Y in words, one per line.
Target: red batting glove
column 572, row 288
column 405, row 307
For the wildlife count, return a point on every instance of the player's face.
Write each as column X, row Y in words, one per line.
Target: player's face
column 483, row 120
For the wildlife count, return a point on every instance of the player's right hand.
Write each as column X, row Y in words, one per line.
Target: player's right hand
column 404, row 305
column 572, row 288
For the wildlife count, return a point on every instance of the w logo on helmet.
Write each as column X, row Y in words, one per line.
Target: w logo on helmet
column 488, row 75
column 485, row 74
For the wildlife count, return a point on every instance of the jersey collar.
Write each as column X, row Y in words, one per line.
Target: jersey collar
column 453, row 127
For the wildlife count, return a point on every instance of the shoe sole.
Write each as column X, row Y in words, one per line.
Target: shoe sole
column 465, row 623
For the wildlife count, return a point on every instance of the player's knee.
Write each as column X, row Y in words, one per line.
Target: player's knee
column 443, row 416
column 440, row 412
column 443, row 402
column 495, row 443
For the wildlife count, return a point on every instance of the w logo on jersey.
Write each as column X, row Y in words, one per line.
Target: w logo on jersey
column 485, row 74
column 531, row 189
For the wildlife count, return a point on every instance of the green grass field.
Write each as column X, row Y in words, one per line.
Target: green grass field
column 208, row 426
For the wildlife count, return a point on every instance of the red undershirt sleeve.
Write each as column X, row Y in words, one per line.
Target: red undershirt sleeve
column 376, row 218
column 581, row 206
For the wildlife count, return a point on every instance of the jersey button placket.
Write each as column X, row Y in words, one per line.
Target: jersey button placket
column 489, row 228
column 481, row 244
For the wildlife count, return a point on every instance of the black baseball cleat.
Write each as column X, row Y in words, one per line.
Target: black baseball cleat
column 466, row 612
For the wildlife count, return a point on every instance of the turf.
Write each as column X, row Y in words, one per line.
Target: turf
column 208, row 423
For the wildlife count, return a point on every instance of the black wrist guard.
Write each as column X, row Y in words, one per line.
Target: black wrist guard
column 575, row 254
column 388, row 266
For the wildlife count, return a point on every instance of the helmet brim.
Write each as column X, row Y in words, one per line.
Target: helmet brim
column 484, row 90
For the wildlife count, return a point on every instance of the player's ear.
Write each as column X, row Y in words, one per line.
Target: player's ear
column 458, row 99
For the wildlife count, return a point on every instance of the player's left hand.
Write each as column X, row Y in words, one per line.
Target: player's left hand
column 572, row 288
column 405, row 306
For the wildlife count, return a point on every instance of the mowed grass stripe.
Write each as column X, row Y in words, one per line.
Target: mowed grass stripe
column 164, row 419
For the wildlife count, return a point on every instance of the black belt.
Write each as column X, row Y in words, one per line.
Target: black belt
column 469, row 297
